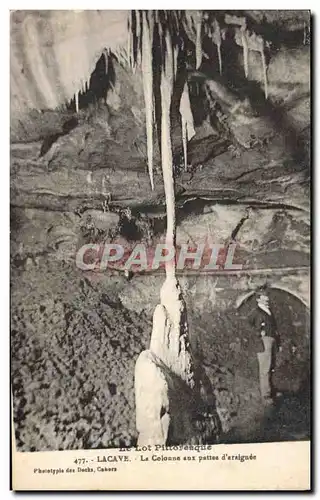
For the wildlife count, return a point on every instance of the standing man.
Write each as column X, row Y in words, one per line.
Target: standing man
column 267, row 342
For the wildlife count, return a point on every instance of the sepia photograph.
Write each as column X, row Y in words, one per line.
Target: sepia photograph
column 159, row 230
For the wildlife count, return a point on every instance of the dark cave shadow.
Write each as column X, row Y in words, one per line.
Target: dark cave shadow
column 234, row 80
column 274, row 33
column 102, row 79
column 289, row 419
column 278, row 37
column 48, row 141
column 233, row 76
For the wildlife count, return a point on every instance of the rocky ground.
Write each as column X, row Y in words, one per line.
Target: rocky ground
column 76, row 335
column 74, row 347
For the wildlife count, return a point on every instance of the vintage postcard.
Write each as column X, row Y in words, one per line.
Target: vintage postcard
column 160, row 249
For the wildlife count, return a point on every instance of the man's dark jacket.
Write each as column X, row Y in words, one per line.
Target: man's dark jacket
column 261, row 321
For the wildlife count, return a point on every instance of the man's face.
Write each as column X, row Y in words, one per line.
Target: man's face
column 264, row 298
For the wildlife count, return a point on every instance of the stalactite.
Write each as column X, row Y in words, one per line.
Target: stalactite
column 169, row 352
column 264, row 69
column 198, row 40
column 139, row 23
column 77, row 101
column 252, row 42
column 217, row 39
column 166, row 88
column 245, row 50
column 176, row 349
column 175, row 60
column 186, row 121
column 219, row 58
column 130, row 41
column 133, row 38
column 184, row 143
column 106, row 59
column 175, row 16
column 147, row 38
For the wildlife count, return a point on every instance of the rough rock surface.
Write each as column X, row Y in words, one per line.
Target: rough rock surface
column 74, row 351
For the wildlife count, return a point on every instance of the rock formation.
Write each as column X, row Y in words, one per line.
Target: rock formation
column 164, row 377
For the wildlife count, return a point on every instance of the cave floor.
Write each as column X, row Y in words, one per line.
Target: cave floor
column 74, row 347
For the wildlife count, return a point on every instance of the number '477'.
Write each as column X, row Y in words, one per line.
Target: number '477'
column 79, row 461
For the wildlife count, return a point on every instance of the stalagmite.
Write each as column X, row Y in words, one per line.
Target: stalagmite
column 147, row 38
column 187, row 124
column 198, row 40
